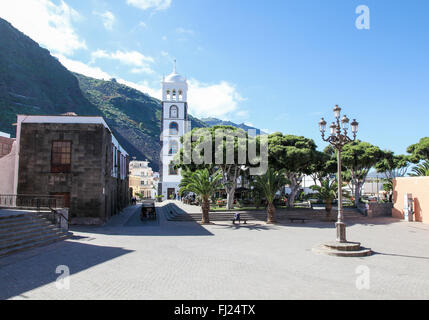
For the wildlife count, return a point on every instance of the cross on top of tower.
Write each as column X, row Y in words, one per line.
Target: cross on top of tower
column 174, row 76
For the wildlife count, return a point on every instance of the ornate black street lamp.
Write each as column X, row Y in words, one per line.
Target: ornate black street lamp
column 338, row 139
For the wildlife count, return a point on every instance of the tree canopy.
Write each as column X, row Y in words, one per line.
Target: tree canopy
column 392, row 165
column 223, row 147
column 294, row 154
column 323, row 165
column 359, row 157
column 420, row 150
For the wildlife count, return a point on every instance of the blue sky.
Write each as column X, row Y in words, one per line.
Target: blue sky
column 278, row 65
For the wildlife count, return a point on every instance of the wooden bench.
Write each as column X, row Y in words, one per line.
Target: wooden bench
column 292, row 219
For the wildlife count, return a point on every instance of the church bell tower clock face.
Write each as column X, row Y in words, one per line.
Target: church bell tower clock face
column 174, row 118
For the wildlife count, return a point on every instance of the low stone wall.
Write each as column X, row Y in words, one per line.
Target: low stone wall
column 362, row 209
column 380, row 209
column 376, row 209
column 82, row 221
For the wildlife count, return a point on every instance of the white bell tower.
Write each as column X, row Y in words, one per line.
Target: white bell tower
column 174, row 125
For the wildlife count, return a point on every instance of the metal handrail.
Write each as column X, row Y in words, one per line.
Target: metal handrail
column 39, row 202
column 31, row 201
column 54, row 221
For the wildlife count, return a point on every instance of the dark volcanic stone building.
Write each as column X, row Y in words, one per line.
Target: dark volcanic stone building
column 76, row 157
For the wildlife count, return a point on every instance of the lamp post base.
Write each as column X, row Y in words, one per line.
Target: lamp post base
column 341, row 232
column 341, row 247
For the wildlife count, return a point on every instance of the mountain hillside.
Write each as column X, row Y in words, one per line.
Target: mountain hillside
column 134, row 116
column 217, row 122
column 34, row 82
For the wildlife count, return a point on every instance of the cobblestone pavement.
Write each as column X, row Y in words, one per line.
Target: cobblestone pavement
column 184, row 260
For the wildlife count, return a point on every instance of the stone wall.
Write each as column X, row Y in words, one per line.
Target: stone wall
column 376, row 209
column 94, row 195
column 380, row 209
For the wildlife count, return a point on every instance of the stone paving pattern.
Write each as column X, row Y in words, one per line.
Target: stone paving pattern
column 126, row 259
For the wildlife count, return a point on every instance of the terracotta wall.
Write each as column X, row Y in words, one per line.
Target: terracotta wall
column 419, row 188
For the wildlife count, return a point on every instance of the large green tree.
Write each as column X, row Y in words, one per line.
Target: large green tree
column 359, row 157
column 219, row 147
column 323, row 165
column 392, row 165
column 294, row 154
column 203, row 184
column 420, row 150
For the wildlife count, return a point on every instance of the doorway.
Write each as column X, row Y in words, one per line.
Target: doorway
column 171, row 193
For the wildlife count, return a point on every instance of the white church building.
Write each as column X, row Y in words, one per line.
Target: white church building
column 174, row 125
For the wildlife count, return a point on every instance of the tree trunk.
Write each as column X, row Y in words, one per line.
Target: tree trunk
column 271, row 210
column 294, row 187
column 357, row 192
column 230, row 198
column 230, row 175
column 205, row 208
column 292, row 196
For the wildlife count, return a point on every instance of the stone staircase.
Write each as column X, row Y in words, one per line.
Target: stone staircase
column 175, row 213
column 180, row 212
column 27, row 230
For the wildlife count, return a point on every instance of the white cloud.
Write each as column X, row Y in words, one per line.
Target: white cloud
column 139, row 62
column 108, row 19
column 142, row 24
column 143, row 87
column 45, row 22
column 97, row 73
column 82, row 68
column 164, row 38
column 219, row 100
column 216, row 100
column 147, row 4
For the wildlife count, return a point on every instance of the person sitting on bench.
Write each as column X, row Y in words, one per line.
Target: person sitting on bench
column 236, row 218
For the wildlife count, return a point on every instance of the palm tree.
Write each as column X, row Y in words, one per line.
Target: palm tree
column 268, row 185
column 420, row 170
column 327, row 191
column 203, row 185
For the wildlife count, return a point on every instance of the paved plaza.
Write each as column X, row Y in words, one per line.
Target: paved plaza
column 161, row 259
